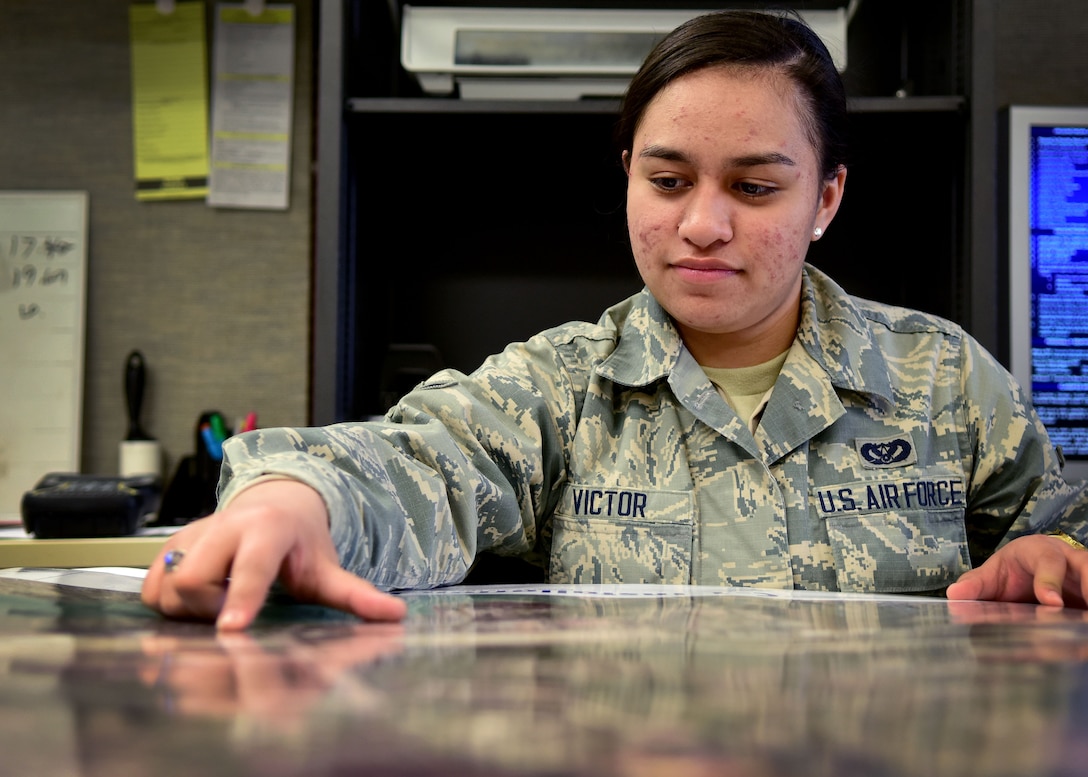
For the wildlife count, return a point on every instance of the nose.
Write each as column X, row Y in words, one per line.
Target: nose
column 707, row 217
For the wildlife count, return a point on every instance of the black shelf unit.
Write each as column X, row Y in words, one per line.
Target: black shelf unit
column 469, row 224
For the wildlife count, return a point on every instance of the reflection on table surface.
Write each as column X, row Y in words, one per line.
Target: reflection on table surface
column 681, row 682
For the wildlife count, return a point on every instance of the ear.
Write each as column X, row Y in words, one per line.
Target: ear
column 830, row 198
column 625, row 156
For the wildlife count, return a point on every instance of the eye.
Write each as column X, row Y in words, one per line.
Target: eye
column 754, row 190
column 668, row 183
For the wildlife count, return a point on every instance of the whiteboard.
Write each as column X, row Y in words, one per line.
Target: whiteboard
column 43, row 271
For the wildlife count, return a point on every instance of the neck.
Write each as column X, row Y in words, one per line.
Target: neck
column 741, row 349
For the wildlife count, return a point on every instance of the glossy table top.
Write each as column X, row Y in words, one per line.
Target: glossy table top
column 639, row 681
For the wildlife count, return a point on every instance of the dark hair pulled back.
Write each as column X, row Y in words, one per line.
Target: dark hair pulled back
column 750, row 39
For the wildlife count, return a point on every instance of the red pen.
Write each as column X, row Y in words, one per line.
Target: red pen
column 250, row 423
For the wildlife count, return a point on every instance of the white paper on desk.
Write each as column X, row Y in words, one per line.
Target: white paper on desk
column 657, row 591
column 107, row 580
column 253, row 83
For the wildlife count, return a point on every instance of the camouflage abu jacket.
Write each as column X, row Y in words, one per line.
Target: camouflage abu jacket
column 893, row 454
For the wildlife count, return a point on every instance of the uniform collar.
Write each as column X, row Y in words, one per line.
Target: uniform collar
column 838, row 336
column 833, row 331
column 648, row 346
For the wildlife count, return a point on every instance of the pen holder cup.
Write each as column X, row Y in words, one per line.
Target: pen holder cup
column 192, row 491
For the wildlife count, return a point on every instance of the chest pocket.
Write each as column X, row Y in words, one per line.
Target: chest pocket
column 622, row 535
column 896, row 535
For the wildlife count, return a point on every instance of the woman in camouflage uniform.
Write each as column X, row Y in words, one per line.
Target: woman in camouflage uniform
column 742, row 421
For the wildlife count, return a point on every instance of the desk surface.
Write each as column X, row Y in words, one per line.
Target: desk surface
column 661, row 681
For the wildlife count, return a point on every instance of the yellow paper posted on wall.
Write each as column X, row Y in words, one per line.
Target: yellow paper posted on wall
column 169, row 101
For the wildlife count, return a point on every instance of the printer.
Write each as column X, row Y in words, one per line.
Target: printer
column 550, row 53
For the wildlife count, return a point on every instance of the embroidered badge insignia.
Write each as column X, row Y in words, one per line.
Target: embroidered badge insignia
column 892, row 452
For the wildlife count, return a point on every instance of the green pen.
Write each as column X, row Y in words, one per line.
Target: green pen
column 219, row 427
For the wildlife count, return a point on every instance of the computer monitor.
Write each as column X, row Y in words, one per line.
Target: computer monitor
column 1047, row 249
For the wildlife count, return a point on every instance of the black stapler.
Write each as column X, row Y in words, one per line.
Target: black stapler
column 66, row 505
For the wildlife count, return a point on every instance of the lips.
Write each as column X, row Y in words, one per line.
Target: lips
column 704, row 270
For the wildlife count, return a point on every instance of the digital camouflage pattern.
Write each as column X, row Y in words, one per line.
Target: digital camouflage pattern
column 894, row 453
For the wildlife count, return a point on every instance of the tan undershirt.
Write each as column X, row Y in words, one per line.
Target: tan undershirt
column 747, row 389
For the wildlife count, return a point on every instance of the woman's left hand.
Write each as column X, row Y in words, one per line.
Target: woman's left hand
column 1035, row 568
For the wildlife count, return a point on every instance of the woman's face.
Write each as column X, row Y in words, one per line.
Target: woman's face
column 724, row 191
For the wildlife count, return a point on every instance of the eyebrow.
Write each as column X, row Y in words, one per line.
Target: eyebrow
column 749, row 160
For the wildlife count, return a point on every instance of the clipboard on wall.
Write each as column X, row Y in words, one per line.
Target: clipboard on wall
column 43, row 271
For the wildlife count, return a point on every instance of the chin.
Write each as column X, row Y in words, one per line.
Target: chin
column 705, row 317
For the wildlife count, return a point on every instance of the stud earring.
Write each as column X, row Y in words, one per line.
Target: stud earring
column 817, row 233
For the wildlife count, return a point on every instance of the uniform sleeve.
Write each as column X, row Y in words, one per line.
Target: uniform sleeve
column 461, row 464
column 1017, row 486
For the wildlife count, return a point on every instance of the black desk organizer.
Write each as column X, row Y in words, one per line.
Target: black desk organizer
column 191, row 492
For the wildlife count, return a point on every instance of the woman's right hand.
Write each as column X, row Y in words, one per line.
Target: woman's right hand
column 275, row 530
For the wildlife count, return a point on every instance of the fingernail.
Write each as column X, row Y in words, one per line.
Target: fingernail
column 230, row 620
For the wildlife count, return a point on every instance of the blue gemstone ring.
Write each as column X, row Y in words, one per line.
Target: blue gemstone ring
column 172, row 559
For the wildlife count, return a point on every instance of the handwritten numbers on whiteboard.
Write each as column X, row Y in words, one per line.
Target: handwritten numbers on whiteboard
column 43, row 269
column 37, row 266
